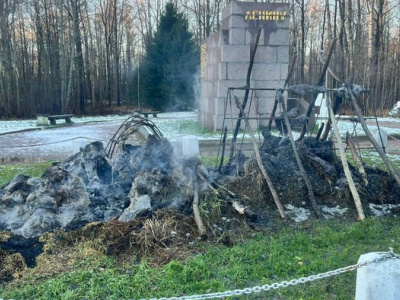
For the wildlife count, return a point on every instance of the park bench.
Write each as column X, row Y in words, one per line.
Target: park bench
column 43, row 120
column 146, row 114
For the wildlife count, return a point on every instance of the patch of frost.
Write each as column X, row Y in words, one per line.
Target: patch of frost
column 381, row 209
column 298, row 214
column 331, row 212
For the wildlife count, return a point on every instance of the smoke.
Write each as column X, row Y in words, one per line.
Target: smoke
column 187, row 95
column 197, row 88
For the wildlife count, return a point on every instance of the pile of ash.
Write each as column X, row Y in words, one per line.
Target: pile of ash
column 89, row 187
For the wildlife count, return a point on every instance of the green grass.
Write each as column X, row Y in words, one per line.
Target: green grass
column 175, row 128
column 373, row 159
column 7, row 172
column 211, row 161
column 272, row 256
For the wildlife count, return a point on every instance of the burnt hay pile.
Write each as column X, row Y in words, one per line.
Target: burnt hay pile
column 89, row 187
column 324, row 170
column 141, row 201
column 89, row 192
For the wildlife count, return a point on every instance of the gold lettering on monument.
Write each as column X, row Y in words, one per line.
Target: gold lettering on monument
column 265, row 15
column 203, row 58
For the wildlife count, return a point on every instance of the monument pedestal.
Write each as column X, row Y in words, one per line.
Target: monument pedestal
column 225, row 58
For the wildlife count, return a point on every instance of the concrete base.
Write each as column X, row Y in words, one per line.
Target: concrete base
column 380, row 280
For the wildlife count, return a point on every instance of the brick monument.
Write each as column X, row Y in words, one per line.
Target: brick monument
column 225, row 58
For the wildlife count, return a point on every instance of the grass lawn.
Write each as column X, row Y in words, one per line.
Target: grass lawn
column 7, row 172
column 269, row 257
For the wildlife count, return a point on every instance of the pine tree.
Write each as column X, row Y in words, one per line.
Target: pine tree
column 169, row 68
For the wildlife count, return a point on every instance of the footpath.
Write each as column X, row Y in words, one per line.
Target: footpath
column 53, row 143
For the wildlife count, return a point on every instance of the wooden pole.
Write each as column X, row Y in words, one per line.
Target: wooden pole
column 307, row 181
column 196, row 213
column 260, row 164
column 346, row 169
column 385, row 159
column 223, row 149
column 246, row 95
column 284, row 86
column 357, row 158
column 320, row 82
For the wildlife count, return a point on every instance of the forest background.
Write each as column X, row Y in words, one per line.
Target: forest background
column 81, row 56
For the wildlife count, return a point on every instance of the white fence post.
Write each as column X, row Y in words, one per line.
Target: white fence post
column 380, row 280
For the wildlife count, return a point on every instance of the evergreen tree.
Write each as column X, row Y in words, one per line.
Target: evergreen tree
column 168, row 71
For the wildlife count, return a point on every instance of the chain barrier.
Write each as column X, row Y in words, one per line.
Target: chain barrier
column 51, row 143
column 392, row 137
column 284, row 284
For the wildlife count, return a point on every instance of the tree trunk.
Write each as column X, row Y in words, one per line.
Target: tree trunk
column 79, row 56
column 116, row 55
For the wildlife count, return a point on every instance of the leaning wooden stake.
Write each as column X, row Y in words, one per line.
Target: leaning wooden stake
column 260, row 164
column 223, row 149
column 319, row 83
column 246, row 95
column 346, row 169
column 281, row 100
column 289, row 75
column 371, row 138
column 356, row 158
column 196, row 213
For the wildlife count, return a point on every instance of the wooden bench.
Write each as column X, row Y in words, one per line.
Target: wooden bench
column 146, row 114
column 43, row 120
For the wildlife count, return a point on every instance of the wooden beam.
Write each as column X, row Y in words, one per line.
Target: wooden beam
column 284, row 86
column 385, row 159
column 346, row 169
column 356, row 158
column 320, row 82
column 246, row 95
column 260, row 164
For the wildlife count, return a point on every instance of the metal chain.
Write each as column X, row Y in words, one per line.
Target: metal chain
column 283, row 284
column 51, row 143
column 391, row 136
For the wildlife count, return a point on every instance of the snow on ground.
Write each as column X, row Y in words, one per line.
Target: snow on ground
column 61, row 141
column 16, row 125
column 65, row 140
column 346, row 126
column 300, row 214
column 381, row 209
column 389, row 120
column 176, row 124
column 56, row 143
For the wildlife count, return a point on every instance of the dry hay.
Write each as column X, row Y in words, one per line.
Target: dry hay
column 12, row 266
column 166, row 235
